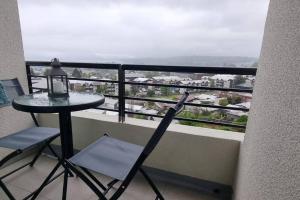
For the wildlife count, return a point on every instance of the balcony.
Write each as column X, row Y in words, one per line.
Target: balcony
column 201, row 167
column 211, row 176
column 213, row 159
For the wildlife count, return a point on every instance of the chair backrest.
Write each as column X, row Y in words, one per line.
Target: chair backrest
column 155, row 138
column 164, row 124
column 13, row 88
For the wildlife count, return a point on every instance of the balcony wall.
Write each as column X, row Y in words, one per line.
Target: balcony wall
column 269, row 165
column 200, row 153
column 11, row 64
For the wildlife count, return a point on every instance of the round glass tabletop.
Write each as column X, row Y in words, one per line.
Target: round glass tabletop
column 41, row 103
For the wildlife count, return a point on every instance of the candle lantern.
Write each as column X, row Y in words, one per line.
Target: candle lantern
column 57, row 81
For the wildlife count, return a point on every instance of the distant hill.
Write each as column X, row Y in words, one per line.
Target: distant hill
column 207, row 61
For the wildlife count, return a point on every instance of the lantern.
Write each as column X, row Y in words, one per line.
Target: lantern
column 57, row 81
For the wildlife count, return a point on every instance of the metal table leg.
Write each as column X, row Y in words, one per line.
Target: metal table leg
column 66, row 143
column 66, row 134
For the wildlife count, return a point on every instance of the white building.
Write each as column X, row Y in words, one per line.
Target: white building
column 223, row 80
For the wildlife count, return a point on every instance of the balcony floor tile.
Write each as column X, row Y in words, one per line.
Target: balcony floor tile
column 28, row 179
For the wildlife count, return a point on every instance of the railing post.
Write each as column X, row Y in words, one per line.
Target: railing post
column 121, row 78
column 29, row 82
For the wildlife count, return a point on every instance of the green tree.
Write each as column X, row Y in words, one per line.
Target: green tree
column 223, row 102
column 165, row 91
column 242, row 120
column 150, row 93
column 101, row 89
column 234, row 100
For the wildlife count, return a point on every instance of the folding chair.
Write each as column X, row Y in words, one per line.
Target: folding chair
column 118, row 159
column 24, row 142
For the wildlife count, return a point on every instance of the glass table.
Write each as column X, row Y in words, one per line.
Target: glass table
column 41, row 103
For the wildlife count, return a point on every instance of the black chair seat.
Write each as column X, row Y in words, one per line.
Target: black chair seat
column 109, row 156
column 28, row 138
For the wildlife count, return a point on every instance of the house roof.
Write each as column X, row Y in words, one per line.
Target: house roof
column 225, row 77
column 170, row 78
column 141, row 79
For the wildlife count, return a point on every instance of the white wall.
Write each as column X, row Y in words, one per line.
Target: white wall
column 269, row 166
column 11, row 64
column 192, row 151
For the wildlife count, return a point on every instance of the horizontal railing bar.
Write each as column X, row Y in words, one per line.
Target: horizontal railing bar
column 187, row 104
column 191, row 87
column 160, row 85
column 111, row 96
column 37, row 88
column 37, row 76
column 192, row 69
column 45, row 89
column 192, row 120
column 165, row 68
column 76, row 65
column 107, row 109
column 80, row 79
column 96, row 80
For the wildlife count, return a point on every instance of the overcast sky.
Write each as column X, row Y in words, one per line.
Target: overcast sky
column 89, row 30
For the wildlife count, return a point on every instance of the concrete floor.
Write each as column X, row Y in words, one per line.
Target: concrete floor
column 28, row 179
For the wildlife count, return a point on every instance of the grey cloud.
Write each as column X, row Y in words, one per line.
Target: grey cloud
column 87, row 30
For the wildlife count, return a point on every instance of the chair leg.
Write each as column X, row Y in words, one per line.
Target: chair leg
column 37, row 155
column 65, row 186
column 58, row 157
column 46, row 181
column 86, row 180
column 52, row 151
column 110, row 185
column 47, row 144
column 153, row 186
column 94, row 178
column 7, row 192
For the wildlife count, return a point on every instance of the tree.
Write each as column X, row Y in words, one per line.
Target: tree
column 223, row 102
column 242, row 120
column 212, row 83
column 134, row 90
column 150, row 93
column 234, row 100
column 77, row 73
column 101, row 89
column 151, row 74
column 165, row 91
column 239, row 79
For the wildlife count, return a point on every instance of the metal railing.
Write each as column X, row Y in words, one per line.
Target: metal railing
column 121, row 69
